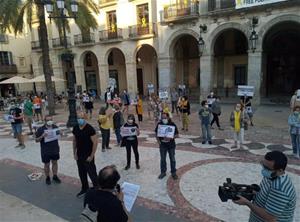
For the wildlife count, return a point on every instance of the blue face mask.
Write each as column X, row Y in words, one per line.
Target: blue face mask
column 81, row 122
column 267, row 173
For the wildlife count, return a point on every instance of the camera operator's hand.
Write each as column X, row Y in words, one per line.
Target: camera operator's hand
column 120, row 195
column 241, row 201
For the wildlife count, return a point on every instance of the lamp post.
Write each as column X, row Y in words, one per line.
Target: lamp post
column 67, row 56
column 253, row 36
column 201, row 42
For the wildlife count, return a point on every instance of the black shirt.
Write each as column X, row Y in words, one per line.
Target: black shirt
column 16, row 112
column 107, row 204
column 131, row 137
column 117, row 120
column 172, row 141
column 50, row 148
column 247, row 100
column 84, row 143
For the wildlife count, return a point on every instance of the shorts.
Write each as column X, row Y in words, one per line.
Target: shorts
column 38, row 111
column 17, row 128
column 47, row 157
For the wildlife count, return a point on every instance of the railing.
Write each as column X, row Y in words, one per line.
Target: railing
column 105, row 35
column 142, row 30
column 35, row 45
column 8, row 69
column 84, row 39
column 3, row 38
column 59, row 42
column 224, row 4
column 177, row 11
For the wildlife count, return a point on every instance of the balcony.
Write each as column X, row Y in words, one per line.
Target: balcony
column 84, row 40
column 107, row 3
column 35, row 45
column 4, row 38
column 224, row 5
column 180, row 13
column 107, row 36
column 59, row 42
column 142, row 31
column 8, row 69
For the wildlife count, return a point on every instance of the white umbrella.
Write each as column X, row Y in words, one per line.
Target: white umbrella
column 41, row 78
column 15, row 80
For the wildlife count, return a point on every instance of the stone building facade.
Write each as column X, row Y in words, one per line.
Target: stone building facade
column 147, row 41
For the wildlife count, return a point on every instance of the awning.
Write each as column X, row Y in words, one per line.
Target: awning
column 15, row 80
column 41, row 78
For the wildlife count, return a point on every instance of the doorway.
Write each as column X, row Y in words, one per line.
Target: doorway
column 140, row 81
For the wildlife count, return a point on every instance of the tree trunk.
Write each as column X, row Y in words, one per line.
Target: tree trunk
column 47, row 67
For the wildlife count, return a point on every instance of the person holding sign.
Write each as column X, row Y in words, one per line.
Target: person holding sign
column 129, row 133
column 166, row 132
column 47, row 136
column 246, row 106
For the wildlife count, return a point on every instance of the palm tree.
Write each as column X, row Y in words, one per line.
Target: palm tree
column 14, row 13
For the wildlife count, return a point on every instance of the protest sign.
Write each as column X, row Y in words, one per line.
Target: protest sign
column 166, row 131
column 128, row 131
column 52, row 134
column 246, row 91
column 130, row 194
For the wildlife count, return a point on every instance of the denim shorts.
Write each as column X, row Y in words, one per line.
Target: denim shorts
column 17, row 128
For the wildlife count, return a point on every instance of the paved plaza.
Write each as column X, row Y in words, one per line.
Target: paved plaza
column 193, row 197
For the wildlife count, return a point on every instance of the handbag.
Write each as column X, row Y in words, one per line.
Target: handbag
column 87, row 215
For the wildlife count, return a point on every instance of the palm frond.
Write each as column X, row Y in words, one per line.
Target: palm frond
column 9, row 11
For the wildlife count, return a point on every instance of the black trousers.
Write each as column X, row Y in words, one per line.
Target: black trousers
column 215, row 119
column 134, row 145
column 140, row 117
column 174, row 106
column 105, row 133
column 84, row 169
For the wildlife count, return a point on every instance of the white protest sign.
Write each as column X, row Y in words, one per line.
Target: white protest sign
column 246, row 91
column 9, row 118
column 163, row 94
column 166, row 131
column 37, row 106
column 150, row 88
column 130, row 194
column 181, row 87
column 52, row 134
column 128, row 131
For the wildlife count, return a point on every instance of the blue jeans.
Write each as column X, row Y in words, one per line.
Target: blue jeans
column 206, row 132
column 295, row 143
column 165, row 148
column 118, row 135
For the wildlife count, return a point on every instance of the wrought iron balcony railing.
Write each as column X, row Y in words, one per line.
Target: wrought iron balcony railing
column 4, row 38
column 111, row 35
column 8, row 69
column 35, row 45
column 179, row 11
column 142, row 30
column 59, row 42
column 83, row 39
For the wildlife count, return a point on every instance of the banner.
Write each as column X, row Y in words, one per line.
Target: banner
column 250, row 3
column 246, row 91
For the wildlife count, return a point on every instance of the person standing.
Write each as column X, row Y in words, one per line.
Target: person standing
column 216, row 111
column 294, row 123
column 28, row 113
column 16, row 124
column 238, row 121
column 139, row 108
column 167, row 145
column 185, row 109
column 107, row 97
column 88, row 105
column 126, row 101
column 104, row 123
column 85, row 144
column 150, row 107
column 174, row 99
column 247, row 107
column 118, row 122
column 211, row 98
column 49, row 149
column 131, row 142
column 293, row 100
column 37, row 103
column 205, row 116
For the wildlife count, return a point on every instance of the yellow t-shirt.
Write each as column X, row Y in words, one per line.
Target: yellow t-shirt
column 104, row 121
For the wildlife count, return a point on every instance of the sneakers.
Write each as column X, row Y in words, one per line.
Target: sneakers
column 81, row 193
column 162, row 175
column 234, row 147
column 108, row 148
column 103, row 150
column 221, row 129
column 127, row 168
column 174, row 176
column 22, row 147
column 138, row 166
column 203, row 142
column 209, row 142
column 48, row 180
column 56, row 179
column 212, row 127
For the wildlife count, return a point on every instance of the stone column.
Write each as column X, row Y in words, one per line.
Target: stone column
column 206, row 75
column 255, row 73
column 59, row 86
column 80, row 77
column 103, row 77
column 131, row 77
column 166, row 76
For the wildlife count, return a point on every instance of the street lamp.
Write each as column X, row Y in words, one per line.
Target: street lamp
column 253, row 36
column 201, row 42
column 67, row 56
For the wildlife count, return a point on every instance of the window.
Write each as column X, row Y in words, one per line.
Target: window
column 142, row 19
column 22, row 61
column 6, row 58
column 88, row 60
column 240, row 75
column 112, row 21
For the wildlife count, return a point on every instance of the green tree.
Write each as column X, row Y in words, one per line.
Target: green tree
column 15, row 15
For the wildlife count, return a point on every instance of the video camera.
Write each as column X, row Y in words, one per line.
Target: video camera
column 231, row 191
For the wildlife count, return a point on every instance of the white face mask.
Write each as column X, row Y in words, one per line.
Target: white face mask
column 130, row 121
column 165, row 121
column 237, row 109
column 49, row 123
column 206, row 106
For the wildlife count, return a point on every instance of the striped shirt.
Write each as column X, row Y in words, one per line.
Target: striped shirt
column 277, row 197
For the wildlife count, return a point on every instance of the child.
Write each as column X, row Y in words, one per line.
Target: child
column 131, row 141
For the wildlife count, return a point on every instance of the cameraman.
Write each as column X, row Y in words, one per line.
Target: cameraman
column 108, row 200
column 276, row 200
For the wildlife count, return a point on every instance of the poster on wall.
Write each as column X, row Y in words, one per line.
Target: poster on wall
column 250, row 3
column 246, row 91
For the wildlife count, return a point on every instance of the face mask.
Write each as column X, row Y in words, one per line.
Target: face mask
column 165, row 121
column 130, row 121
column 49, row 123
column 81, row 122
column 211, row 94
column 206, row 106
column 267, row 173
column 237, row 109
column 296, row 112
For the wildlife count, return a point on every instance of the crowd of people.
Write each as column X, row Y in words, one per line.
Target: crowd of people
column 116, row 115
